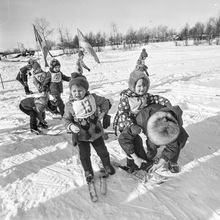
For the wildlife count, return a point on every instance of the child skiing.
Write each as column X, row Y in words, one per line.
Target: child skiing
column 35, row 108
column 132, row 101
column 83, row 114
column 22, row 77
column 80, row 64
column 140, row 65
column 56, row 83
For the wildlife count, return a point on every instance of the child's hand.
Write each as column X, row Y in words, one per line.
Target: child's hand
column 156, row 166
column 75, row 129
column 135, row 129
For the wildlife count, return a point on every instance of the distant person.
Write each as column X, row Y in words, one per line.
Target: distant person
column 132, row 101
column 80, row 63
column 56, row 83
column 140, row 65
column 83, row 115
column 22, row 77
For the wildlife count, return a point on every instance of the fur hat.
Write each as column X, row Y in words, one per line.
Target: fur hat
column 78, row 79
column 135, row 76
column 162, row 128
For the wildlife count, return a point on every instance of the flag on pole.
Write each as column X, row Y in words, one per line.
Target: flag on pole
column 42, row 45
column 84, row 44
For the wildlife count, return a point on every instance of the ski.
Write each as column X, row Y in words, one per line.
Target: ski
column 92, row 191
column 142, row 175
column 103, row 181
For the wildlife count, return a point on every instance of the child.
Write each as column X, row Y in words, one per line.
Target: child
column 132, row 101
column 41, row 80
column 140, row 65
column 80, row 64
column 35, row 108
column 83, row 114
column 22, row 77
column 34, row 64
column 56, row 83
column 163, row 127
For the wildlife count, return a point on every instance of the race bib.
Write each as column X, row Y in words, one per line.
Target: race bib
column 84, row 108
column 40, row 76
column 56, row 77
column 137, row 103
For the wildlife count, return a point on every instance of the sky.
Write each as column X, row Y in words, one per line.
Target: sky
column 17, row 17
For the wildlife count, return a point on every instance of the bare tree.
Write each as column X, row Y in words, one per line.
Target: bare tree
column 43, row 27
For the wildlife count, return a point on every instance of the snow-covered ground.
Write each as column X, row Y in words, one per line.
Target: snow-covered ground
column 41, row 176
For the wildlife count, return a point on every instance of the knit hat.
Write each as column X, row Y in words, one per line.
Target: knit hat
column 78, row 79
column 135, row 76
column 162, row 128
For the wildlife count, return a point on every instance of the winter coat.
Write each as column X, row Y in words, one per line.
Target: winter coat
column 42, row 81
column 171, row 149
column 56, row 82
column 130, row 104
column 34, row 104
column 22, row 75
column 86, row 112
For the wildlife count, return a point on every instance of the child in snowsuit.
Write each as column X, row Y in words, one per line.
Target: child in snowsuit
column 56, row 83
column 80, row 64
column 35, row 108
column 163, row 126
column 83, row 115
column 140, row 65
column 41, row 80
column 35, row 65
column 132, row 101
column 22, row 77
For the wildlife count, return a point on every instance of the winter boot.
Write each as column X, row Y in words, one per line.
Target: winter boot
column 146, row 166
column 89, row 176
column 109, row 169
column 173, row 167
column 131, row 165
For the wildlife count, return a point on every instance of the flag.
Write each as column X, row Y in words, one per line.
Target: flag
column 42, row 45
column 84, row 44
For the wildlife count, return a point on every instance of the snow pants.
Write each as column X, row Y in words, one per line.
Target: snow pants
column 85, row 153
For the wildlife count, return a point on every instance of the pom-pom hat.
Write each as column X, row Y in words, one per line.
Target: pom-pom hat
column 80, row 80
column 135, row 76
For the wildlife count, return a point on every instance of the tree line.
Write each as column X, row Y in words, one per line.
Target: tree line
column 200, row 31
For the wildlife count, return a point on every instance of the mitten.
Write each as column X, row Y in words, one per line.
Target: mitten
column 75, row 129
column 106, row 121
column 135, row 129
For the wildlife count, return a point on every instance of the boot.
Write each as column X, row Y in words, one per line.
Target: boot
column 173, row 167
column 109, row 169
column 131, row 165
column 89, row 176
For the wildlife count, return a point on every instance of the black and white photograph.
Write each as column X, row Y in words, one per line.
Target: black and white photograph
column 110, row 110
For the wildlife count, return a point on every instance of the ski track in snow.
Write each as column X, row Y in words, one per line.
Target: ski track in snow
column 60, row 172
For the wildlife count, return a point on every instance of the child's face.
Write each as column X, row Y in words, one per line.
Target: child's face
column 56, row 69
column 78, row 92
column 141, row 87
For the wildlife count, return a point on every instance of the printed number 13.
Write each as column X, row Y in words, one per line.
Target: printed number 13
column 87, row 106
